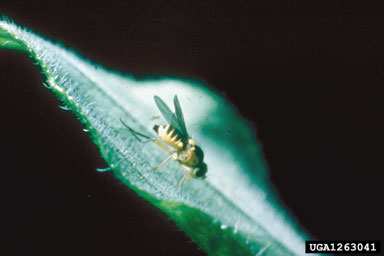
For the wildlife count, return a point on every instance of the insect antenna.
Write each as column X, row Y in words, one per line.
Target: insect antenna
column 137, row 134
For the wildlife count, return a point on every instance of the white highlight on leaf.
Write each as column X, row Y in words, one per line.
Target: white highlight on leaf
column 229, row 194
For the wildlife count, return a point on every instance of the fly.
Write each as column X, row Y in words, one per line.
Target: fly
column 174, row 139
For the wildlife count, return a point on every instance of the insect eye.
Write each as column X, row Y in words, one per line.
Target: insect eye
column 201, row 171
column 199, row 152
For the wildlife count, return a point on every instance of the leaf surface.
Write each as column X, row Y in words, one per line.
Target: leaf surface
column 233, row 211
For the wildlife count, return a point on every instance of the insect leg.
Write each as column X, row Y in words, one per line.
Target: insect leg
column 163, row 145
column 187, row 176
column 137, row 134
column 162, row 163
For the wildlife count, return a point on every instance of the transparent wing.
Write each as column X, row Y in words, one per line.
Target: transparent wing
column 180, row 116
column 168, row 114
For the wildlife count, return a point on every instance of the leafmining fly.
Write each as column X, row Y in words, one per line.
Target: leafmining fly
column 173, row 138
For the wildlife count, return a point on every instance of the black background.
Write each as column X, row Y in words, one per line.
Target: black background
column 308, row 75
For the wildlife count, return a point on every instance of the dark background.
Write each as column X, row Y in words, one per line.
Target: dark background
column 308, row 75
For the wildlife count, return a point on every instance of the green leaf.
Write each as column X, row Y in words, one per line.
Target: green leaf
column 233, row 211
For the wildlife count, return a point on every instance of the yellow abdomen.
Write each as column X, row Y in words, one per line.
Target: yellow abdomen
column 169, row 135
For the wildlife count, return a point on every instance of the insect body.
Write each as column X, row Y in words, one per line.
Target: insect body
column 186, row 152
column 173, row 137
